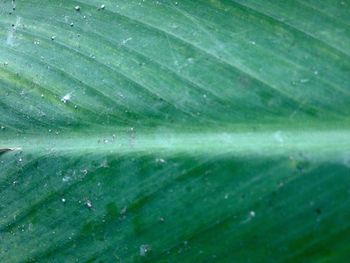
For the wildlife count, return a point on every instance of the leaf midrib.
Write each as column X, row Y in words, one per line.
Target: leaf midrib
column 277, row 142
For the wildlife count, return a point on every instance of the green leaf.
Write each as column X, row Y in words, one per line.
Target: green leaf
column 174, row 131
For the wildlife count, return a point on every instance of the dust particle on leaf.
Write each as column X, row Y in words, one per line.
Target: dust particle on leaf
column 145, row 250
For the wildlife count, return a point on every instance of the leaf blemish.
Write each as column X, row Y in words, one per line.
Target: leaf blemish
column 66, row 98
column 11, row 33
column 4, row 150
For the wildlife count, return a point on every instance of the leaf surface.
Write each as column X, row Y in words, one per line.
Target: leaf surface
column 164, row 131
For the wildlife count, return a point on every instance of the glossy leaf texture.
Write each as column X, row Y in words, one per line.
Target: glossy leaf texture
column 174, row 131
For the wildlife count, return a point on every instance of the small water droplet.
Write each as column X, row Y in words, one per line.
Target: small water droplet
column 102, row 7
column 63, row 200
column 53, row 37
column 77, row 8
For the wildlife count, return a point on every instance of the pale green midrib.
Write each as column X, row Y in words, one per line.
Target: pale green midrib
column 278, row 142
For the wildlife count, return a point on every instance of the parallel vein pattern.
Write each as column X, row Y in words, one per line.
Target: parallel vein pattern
column 174, row 131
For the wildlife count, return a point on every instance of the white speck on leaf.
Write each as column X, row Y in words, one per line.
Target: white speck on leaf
column 126, row 40
column 123, row 211
column 88, row 204
column 145, row 250
column 104, row 164
column 160, row 160
column 66, row 98
column 250, row 216
column 66, row 179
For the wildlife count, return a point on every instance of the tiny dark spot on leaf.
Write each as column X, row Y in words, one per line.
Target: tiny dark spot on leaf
column 318, row 211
